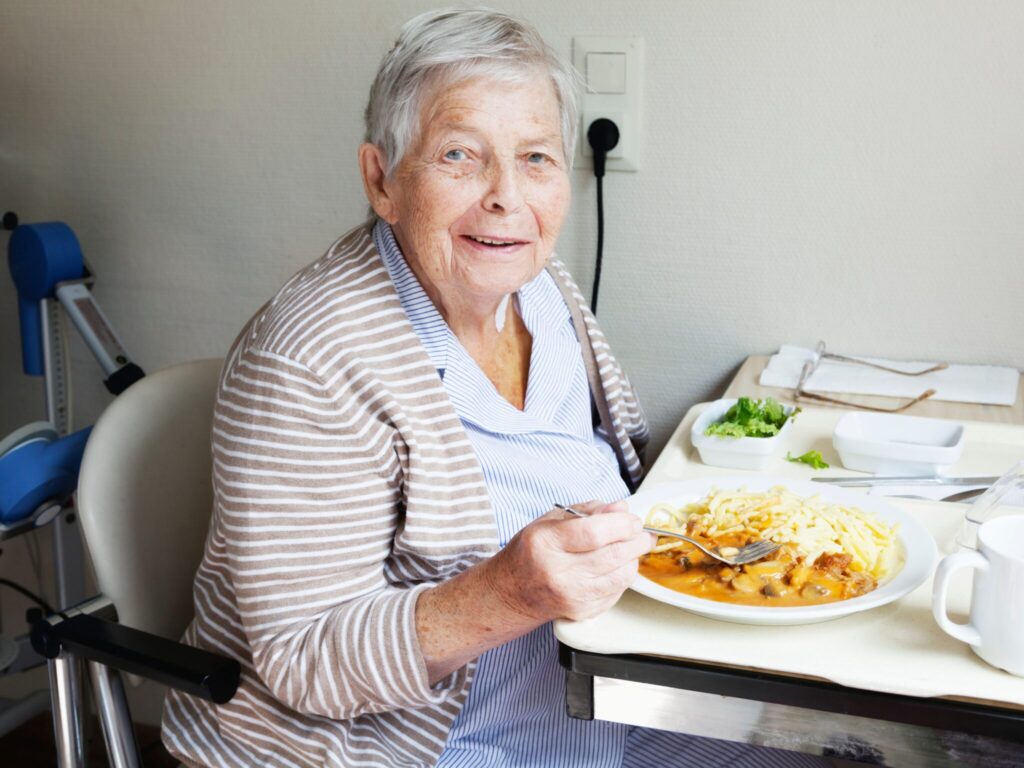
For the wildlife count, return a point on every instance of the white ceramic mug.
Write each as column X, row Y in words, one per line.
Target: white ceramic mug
column 996, row 628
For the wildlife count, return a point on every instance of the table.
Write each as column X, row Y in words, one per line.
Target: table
column 755, row 703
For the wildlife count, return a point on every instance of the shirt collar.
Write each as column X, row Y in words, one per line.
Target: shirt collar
column 555, row 347
column 426, row 321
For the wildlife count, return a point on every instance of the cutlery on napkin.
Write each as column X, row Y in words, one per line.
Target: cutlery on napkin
column 988, row 384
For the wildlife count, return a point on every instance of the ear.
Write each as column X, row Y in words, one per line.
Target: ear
column 378, row 192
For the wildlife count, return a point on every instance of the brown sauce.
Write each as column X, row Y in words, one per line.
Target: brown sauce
column 782, row 581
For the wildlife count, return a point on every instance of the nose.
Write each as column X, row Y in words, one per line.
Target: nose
column 504, row 192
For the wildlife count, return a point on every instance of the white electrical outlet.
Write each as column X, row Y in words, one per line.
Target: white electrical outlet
column 613, row 69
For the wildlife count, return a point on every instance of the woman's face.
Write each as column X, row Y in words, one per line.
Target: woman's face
column 479, row 199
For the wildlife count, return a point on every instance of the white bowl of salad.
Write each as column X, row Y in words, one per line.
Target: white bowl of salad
column 742, row 433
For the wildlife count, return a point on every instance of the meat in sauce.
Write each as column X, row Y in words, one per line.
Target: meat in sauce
column 785, row 580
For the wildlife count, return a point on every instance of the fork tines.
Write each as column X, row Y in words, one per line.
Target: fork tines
column 756, row 551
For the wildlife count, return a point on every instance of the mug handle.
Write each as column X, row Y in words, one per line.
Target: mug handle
column 951, row 563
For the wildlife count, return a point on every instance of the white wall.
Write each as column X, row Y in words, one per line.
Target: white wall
column 846, row 171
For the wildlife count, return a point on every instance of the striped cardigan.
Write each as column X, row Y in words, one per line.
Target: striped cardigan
column 344, row 485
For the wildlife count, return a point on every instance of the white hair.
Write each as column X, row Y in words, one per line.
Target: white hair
column 449, row 46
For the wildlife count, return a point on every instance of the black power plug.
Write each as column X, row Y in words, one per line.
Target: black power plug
column 603, row 136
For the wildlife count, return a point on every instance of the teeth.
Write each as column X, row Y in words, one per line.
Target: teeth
column 485, row 241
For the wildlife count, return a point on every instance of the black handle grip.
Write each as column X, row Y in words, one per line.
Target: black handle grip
column 123, row 378
column 183, row 667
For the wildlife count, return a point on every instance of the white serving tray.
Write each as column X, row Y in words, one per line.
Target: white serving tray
column 896, row 648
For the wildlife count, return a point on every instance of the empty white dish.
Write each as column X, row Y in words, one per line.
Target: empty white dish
column 736, row 452
column 892, row 444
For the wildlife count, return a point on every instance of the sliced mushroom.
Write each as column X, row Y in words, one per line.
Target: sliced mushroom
column 746, row 583
column 775, row 588
column 693, row 558
column 812, row 591
column 766, row 568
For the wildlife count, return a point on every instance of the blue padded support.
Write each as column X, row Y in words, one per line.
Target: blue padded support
column 40, row 256
column 39, row 471
column 30, row 318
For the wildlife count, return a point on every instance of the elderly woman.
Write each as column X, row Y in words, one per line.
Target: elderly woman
column 391, row 432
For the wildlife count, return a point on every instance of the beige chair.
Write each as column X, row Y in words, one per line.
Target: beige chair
column 144, row 497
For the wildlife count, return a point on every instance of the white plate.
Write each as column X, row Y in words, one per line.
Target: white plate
column 919, row 551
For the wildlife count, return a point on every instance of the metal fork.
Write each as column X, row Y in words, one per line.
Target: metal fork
column 728, row 555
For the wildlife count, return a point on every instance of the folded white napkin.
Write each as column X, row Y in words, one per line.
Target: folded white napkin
column 987, row 384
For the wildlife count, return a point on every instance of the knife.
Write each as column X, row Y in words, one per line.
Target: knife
column 854, row 482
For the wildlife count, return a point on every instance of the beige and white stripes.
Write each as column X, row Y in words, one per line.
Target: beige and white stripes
column 344, row 485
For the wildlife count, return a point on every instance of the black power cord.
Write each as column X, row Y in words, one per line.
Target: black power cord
column 30, row 595
column 32, row 615
column 603, row 136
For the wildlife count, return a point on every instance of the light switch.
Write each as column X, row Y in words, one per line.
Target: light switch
column 613, row 67
column 606, row 72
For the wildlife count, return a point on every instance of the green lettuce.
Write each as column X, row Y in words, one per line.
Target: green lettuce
column 751, row 418
column 811, row 458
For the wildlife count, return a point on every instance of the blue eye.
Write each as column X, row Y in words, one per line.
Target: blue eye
column 455, row 154
column 536, row 158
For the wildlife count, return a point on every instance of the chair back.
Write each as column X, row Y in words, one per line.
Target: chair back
column 145, row 495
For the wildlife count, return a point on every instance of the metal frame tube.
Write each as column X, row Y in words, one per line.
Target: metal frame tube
column 66, row 690
column 56, row 372
column 69, row 558
column 68, row 550
column 87, row 317
column 115, row 717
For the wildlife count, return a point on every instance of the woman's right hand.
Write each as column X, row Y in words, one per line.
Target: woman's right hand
column 560, row 566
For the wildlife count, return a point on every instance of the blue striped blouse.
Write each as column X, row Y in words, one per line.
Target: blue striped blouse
column 548, row 452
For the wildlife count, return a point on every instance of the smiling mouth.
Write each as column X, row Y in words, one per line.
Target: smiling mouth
column 493, row 242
